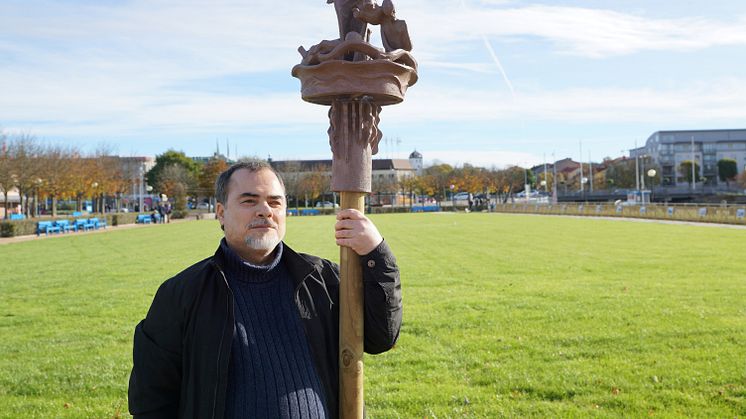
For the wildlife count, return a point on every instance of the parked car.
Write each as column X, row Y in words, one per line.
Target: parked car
column 461, row 196
column 326, row 204
column 204, row 206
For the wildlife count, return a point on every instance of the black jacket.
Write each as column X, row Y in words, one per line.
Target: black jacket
column 182, row 347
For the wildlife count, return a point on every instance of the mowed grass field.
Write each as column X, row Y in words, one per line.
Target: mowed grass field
column 504, row 316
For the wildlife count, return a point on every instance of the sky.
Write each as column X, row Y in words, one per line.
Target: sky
column 501, row 82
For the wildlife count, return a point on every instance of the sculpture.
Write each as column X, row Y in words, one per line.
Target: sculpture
column 356, row 79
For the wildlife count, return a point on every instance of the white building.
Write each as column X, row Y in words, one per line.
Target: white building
column 668, row 149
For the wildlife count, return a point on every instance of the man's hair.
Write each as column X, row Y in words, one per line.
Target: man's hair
column 253, row 166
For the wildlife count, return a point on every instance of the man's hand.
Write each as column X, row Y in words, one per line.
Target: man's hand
column 356, row 231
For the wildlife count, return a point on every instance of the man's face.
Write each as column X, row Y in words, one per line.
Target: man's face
column 253, row 215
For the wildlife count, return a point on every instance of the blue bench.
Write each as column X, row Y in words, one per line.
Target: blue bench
column 310, row 212
column 64, row 225
column 143, row 219
column 427, row 208
column 46, row 227
column 77, row 214
column 17, row 217
column 97, row 223
column 292, row 212
column 82, row 223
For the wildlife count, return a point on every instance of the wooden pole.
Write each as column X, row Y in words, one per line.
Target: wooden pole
column 351, row 395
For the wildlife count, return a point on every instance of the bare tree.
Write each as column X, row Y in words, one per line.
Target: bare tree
column 291, row 177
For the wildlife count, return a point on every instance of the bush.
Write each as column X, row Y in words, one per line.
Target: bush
column 179, row 214
column 7, row 229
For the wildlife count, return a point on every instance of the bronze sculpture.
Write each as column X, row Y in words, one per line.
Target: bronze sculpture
column 356, row 79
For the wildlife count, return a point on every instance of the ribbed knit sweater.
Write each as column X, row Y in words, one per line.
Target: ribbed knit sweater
column 271, row 372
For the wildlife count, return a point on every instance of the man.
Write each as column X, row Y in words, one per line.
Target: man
column 253, row 331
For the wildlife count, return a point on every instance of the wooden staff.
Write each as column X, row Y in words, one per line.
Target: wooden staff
column 354, row 136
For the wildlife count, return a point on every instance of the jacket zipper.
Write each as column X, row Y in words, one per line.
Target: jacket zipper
column 220, row 346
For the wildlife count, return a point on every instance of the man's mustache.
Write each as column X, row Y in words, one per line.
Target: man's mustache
column 262, row 223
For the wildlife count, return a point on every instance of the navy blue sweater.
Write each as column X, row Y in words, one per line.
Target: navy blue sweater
column 271, row 372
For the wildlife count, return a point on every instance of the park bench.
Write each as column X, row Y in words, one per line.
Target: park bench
column 17, row 217
column 309, row 212
column 143, row 219
column 97, row 223
column 426, row 208
column 64, row 225
column 82, row 223
column 292, row 212
column 46, row 227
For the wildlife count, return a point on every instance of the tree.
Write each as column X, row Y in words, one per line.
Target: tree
column 24, row 152
column 57, row 173
column 727, row 170
column 314, row 183
column 620, row 174
column 209, row 174
column 7, row 180
column 439, row 177
column 685, row 168
column 291, row 176
column 175, row 181
column 169, row 158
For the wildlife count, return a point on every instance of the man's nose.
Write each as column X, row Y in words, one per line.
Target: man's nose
column 263, row 210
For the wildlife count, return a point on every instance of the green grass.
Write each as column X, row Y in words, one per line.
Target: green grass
column 505, row 315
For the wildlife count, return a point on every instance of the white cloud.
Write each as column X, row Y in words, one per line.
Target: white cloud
column 573, row 30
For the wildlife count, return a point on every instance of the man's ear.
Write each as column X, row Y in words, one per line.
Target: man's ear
column 219, row 213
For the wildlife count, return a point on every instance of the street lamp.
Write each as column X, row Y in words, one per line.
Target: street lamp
column 651, row 175
column 94, row 200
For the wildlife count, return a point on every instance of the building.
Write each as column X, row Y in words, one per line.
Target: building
column 415, row 160
column 668, row 149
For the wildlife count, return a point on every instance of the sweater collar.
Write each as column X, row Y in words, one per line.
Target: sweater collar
column 248, row 271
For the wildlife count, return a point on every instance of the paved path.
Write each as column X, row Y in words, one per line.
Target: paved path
column 18, row 239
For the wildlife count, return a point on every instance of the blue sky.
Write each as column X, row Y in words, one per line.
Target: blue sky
column 500, row 82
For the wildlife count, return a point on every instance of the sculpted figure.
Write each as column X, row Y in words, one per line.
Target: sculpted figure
column 393, row 31
column 346, row 19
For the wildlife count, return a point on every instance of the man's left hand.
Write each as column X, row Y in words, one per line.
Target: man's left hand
column 356, row 231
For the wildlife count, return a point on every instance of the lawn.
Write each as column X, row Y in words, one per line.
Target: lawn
column 505, row 315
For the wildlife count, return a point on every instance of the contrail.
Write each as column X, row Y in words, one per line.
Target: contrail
column 494, row 58
column 499, row 66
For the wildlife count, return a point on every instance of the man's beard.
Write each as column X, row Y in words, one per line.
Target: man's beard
column 268, row 241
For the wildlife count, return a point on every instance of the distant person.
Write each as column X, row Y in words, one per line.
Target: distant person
column 253, row 331
column 167, row 212
column 161, row 213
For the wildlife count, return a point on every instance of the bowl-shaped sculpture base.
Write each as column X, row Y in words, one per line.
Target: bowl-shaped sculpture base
column 384, row 81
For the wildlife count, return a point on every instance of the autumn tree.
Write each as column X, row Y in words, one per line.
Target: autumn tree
column 439, row 178
column 208, row 175
column 57, row 174
column 316, row 182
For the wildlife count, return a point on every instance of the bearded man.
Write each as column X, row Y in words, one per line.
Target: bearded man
column 253, row 331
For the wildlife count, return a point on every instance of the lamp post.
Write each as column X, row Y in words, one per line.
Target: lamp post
column 37, row 184
column 651, row 175
column 94, row 197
